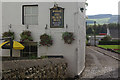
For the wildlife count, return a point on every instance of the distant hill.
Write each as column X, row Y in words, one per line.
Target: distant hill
column 102, row 19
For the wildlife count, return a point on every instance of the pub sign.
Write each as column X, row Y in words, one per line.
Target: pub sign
column 56, row 17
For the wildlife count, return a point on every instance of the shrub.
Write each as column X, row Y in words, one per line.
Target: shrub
column 116, row 42
column 32, row 57
column 8, row 34
column 26, row 36
column 68, row 37
column 106, row 38
column 87, row 38
column 43, row 57
column 46, row 40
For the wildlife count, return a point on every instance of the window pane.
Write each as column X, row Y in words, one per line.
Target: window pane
column 33, row 49
column 35, row 20
column 28, row 20
column 31, row 20
column 34, row 10
column 27, row 10
column 31, row 15
column 29, row 51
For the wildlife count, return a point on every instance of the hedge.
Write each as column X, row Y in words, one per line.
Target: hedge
column 114, row 42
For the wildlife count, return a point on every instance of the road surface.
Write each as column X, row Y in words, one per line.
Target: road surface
column 99, row 65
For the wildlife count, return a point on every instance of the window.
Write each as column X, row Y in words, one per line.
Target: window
column 30, row 15
column 30, row 50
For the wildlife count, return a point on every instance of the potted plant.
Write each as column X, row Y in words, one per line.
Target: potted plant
column 68, row 37
column 26, row 36
column 8, row 34
column 46, row 40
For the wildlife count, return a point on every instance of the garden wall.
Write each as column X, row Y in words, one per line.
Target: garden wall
column 35, row 68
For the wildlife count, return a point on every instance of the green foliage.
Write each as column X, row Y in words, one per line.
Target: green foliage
column 117, row 42
column 46, row 40
column 32, row 57
column 113, row 26
column 110, row 46
column 89, row 30
column 99, row 21
column 100, row 28
column 43, row 57
column 106, row 38
column 26, row 36
column 68, row 37
column 87, row 38
column 8, row 34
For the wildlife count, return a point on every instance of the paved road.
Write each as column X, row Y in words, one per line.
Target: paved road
column 99, row 65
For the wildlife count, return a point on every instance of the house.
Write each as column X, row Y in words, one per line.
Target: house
column 94, row 40
column 38, row 17
column 0, row 37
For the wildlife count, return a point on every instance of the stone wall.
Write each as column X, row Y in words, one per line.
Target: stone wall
column 35, row 68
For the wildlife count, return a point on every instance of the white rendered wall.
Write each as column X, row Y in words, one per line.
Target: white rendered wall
column 81, row 37
column 0, row 24
column 0, row 38
column 74, row 53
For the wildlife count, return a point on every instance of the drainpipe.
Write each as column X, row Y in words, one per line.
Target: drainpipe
column 94, row 33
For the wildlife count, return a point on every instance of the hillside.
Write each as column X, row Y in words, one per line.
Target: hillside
column 102, row 19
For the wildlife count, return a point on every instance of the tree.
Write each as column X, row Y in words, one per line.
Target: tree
column 89, row 30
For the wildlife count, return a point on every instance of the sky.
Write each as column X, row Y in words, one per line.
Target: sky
column 102, row 7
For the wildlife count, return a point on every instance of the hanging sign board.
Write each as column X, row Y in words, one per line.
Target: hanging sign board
column 56, row 17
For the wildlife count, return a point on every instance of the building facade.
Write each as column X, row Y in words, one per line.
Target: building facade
column 37, row 18
column 94, row 40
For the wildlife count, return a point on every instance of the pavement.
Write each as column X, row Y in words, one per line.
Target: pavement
column 100, row 65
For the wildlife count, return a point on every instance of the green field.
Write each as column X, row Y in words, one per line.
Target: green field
column 100, row 21
column 110, row 46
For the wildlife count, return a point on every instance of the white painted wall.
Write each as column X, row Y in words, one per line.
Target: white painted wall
column 81, row 37
column 43, row 0
column 73, row 17
column 98, row 38
column 0, row 38
column 0, row 25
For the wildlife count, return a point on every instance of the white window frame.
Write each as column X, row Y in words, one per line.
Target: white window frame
column 31, row 15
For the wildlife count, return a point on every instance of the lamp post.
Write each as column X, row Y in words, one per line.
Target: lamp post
column 94, row 33
column 86, row 24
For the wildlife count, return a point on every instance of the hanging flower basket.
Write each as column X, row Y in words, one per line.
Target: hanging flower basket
column 8, row 34
column 68, row 37
column 26, row 36
column 46, row 40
